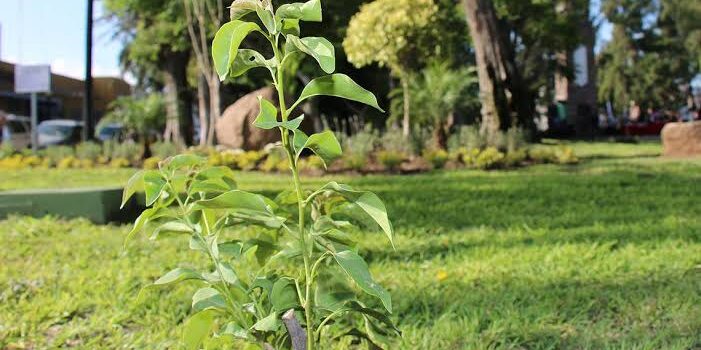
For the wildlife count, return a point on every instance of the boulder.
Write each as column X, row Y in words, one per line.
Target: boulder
column 235, row 127
column 682, row 139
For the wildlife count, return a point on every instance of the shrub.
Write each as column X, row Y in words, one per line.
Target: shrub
column 565, row 155
column 248, row 160
column 68, row 163
column 32, row 161
column 312, row 163
column 515, row 158
column 275, row 161
column 490, row 158
column 392, row 140
column 469, row 157
column 120, row 163
column 151, row 163
column 437, row 157
column 127, row 150
column 361, row 143
column 542, row 155
column 163, row 149
column 6, row 149
column 354, row 161
column 88, row 150
column 390, row 160
column 57, row 153
column 516, row 139
column 466, row 137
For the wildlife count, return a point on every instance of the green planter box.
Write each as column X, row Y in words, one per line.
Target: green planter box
column 99, row 205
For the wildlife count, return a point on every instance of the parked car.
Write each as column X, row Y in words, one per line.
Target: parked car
column 59, row 132
column 17, row 131
column 114, row 131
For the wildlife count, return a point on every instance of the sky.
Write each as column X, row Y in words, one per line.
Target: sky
column 53, row 32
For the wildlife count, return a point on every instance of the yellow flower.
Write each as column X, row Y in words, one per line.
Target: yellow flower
column 442, row 275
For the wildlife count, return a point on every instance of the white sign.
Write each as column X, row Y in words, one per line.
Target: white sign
column 581, row 64
column 32, row 79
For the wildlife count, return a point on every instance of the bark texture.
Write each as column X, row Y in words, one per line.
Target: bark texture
column 505, row 101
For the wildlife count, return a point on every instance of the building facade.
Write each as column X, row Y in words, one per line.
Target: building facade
column 66, row 98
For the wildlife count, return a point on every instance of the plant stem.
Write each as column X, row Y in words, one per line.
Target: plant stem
column 306, row 252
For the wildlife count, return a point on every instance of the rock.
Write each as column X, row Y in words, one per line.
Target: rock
column 235, row 127
column 682, row 139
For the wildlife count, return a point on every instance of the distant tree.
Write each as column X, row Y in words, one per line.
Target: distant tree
column 516, row 44
column 393, row 33
column 159, row 49
column 204, row 17
column 652, row 55
column 437, row 93
column 139, row 116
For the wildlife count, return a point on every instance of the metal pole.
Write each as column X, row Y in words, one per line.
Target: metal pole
column 88, row 116
column 34, row 121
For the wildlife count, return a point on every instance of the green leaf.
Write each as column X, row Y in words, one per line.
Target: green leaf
column 338, row 85
column 171, row 227
column 226, row 44
column 153, row 186
column 270, row 323
column 183, row 161
column 267, row 117
column 214, row 179
column 357, row 269
column 369, row 202
column 197, row 328
column 321, row 49
column 358, row 307
column 240, row 8
column 233, row 249
column 284, row 295
column 139, row 224
column 228, row 273
column 135, row 183
column 234, row 330
column 246, row 60
column 208, row 298
column 178, row 275
column 289, row 26
column 267, row 18
column 309, row 11
column 324, row 144
column 236, row 200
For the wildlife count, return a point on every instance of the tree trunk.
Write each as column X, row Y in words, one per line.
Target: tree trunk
column 178, row 100
column 406, row 127
column 504, row 99
column 202, row 110
column 214, row 107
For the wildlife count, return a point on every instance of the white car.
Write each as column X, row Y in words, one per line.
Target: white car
column 59, row 132
column 17, row 131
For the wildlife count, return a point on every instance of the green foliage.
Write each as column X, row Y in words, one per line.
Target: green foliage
column 6, row 149
column 520, row 252
column 88, row 150
column 391, row 160
column 390, row 32
column 164, row 149
column 437, row 92
column 654, row 49
column 277, row 268
column 139, row 115
column 437, row 157
column 56, row 153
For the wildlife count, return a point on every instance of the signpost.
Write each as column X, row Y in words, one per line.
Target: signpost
column 33, row 80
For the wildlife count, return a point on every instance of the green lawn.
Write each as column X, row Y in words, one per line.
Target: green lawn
column 598, row 255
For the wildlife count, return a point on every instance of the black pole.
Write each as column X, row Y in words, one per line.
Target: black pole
column 88, row 116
